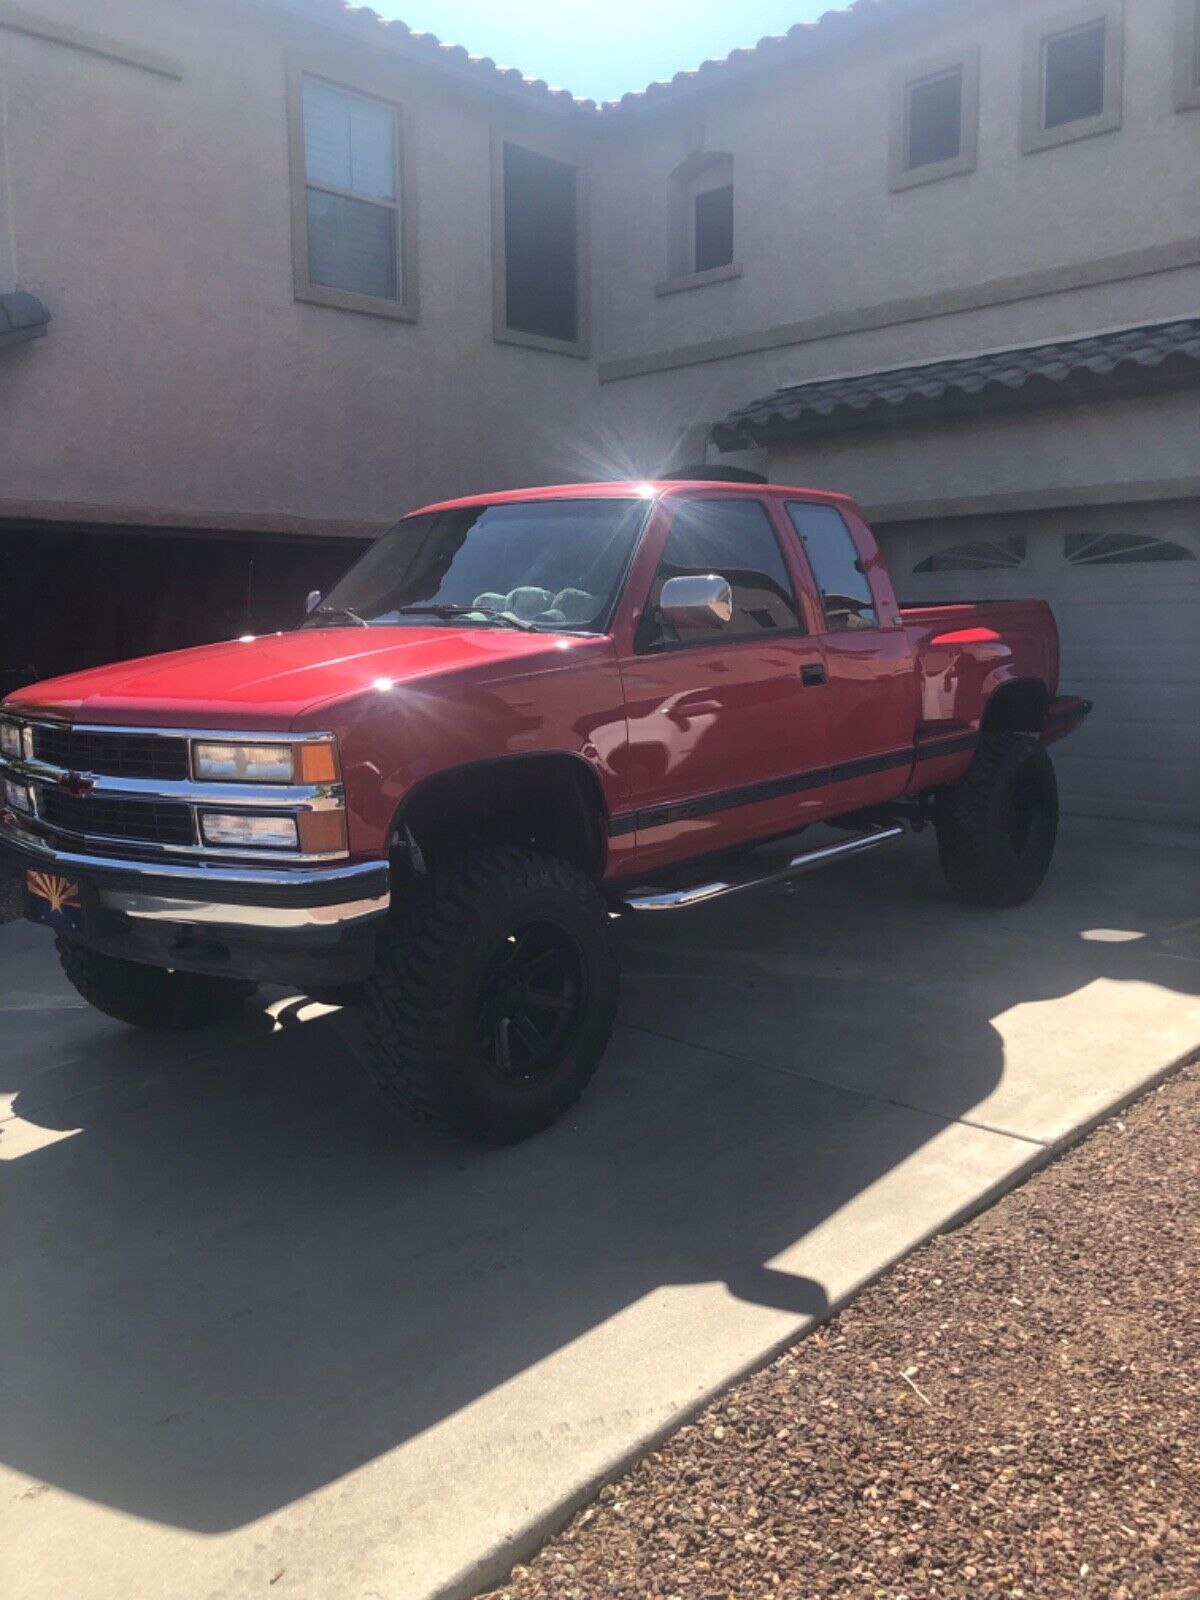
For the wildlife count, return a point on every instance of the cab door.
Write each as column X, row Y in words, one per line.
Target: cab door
column 872, row 692
column 727, row 736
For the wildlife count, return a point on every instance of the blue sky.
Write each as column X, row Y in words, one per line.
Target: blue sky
column 601, row 50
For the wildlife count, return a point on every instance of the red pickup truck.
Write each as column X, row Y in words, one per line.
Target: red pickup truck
column 516, row 715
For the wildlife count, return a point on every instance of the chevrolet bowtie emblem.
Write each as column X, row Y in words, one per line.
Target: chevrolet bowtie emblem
column 76, row 785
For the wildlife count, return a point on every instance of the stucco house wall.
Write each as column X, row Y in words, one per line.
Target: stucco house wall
column 841, row 273
column 181, row 378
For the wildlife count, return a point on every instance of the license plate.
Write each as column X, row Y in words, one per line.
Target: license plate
column 54, row 901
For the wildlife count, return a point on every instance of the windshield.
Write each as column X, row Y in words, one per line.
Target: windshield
column 552, row 564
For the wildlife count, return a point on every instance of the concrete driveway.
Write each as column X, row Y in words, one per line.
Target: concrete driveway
column 258, row 1337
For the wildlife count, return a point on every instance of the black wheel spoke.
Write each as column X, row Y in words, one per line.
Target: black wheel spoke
column 543, row 1000
column 537, row 966
column 529, row 1001
column 503, row 1052
column 527, row 1033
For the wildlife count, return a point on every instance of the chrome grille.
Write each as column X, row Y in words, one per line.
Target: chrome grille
column 116, row 755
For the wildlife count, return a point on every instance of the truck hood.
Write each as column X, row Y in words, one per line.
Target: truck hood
column 268, row 682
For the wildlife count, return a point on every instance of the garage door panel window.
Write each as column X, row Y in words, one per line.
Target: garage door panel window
column 1120, row 549
column 979, row 555
column 833, row 557
column 734, row 540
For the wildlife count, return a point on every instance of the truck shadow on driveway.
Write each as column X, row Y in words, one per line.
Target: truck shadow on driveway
column 242, row 1278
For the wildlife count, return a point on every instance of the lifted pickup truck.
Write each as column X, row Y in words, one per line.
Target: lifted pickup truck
column 516, row 715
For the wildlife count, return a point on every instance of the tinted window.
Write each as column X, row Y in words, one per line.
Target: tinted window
column 554, row 563
column 833, row 557
column 1074, row 76
column 539, row 245
column 714, row 228
column 935, row 120
column 735, row 540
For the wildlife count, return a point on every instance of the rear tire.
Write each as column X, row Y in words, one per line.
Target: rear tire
column 150, row 997
column 492, row 1003
column 996, row 826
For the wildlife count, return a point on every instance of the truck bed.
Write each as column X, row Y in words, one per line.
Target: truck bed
column 966, row 649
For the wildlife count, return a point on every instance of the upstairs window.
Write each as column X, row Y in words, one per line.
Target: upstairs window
column 538, row 300
column 836, row 568
column 700, row 223
column 934, row 117
column 712, row 228
column 348, row 234
column 1072, row 76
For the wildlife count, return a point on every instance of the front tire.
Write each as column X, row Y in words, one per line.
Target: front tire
column 492, row 1003
column 996, row 826
column 150, row 997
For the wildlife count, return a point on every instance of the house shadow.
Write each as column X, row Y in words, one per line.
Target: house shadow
column 234, row 1276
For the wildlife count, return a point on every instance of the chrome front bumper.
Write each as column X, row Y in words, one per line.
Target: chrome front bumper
column 230, row 896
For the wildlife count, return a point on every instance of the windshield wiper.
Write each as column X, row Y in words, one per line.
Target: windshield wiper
column 340, row 611
column 447, row 612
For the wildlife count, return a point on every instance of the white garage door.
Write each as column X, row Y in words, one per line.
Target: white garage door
column 1124, row 582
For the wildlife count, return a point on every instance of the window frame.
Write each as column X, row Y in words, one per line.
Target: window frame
column 533, row 140
column 1034, row 135
column 644, row 646
column 966, row 64
column 685, row 182
column 363, row 86
column 1187, row 55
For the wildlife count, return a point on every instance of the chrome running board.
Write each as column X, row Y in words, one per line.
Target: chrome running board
column 700, row 893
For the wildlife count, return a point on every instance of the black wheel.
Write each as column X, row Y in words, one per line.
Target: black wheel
column 997, row 825
column 491, row 1005
column 150, row 997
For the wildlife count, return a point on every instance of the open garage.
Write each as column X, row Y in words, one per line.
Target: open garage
column 73, row 597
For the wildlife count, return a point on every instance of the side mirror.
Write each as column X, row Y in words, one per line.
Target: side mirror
column 700, row 602
column 313, row 601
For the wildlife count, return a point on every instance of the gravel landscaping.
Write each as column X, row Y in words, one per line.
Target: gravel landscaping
column 1012, row 1411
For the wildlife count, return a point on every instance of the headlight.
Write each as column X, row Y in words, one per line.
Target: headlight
column 17, row 795
column 244, row 763
column 248, row 832
column 312, row 761
column 10, row 740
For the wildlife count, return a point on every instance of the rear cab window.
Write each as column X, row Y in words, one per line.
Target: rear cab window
column 837, row 570
column 733, row 539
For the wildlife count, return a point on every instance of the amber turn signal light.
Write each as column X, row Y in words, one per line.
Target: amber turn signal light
column 317, row 763
column 322, row 832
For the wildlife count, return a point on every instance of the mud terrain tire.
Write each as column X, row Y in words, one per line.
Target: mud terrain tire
column 996, row 825
column 150, row 997
column 492, row 1003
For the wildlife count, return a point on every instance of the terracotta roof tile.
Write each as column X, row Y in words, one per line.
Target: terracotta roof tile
column 1154, row 355
column 834, row 27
